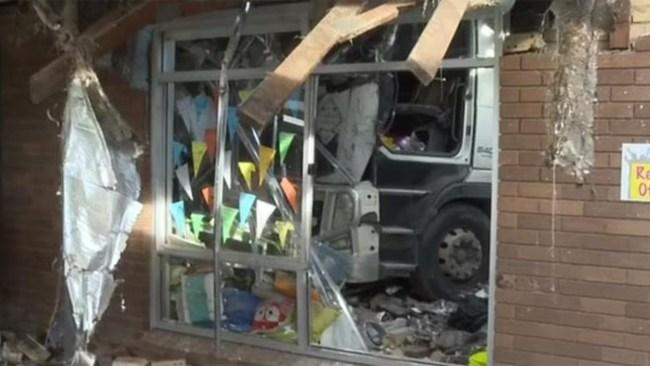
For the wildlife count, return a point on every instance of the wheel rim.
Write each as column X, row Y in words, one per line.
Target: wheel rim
column 460, row 254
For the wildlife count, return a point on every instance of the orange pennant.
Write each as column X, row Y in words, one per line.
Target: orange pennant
column 211, row 142
column 208, row 196
column 290, row 192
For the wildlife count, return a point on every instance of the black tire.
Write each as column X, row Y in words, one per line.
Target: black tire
column 435, row 280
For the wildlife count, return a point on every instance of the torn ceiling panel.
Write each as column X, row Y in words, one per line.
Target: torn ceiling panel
column 100, row 191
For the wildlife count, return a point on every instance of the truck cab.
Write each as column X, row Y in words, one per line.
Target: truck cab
column 403, row 170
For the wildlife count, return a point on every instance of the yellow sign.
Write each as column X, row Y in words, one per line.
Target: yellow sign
column 640, row 181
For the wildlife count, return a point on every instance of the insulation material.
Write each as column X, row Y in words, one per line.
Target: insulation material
column 100, row 191
column 574, row 91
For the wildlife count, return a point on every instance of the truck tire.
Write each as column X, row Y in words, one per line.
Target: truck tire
column 453, row 253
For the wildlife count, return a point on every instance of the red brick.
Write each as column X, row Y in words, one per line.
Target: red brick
column 630, row 127
column 535, row 94
column 522, row 142
column 519, row 174
column 509, row 94
column 534, row 126
column 510, row 204
column 524, row 110
column 623, row 60
column 521, row 78
column 562, row 207
column 508, row 189
column 642, row 110
column 601, row 127
column 532, row 158
column 616, row 77
column 531, row 358
column 509, row 125
column 548, row 77
column 542, row 190
column 605, row 291
column 630, row 93
column 642, row 76
column 535, row 222
column 614, row 110
column 518, row 236
column 507, row 220
column 642, row 44
column 538, row 62
column 638, row 310
column 511, row 62
column 509, row 158
column 625, row 356
column 603, row 93
column 559, row 348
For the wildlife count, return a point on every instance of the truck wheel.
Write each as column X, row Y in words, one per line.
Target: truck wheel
column 453, row 253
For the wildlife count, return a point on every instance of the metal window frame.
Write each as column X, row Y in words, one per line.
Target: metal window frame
column 162, row 109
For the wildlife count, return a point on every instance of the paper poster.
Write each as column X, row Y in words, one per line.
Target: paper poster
column 211, row 142
column 233, row 122
column 228, row 216
column 179, row 152
column 246, row 202
column 247, row 169
column 198, row 151
column 285, row 141
column 266, row 159
column 263, row 211
column 197, row 223
column 227, row 168
column 178, row 215
column 283, row 228
column 635, row 172
column 208, row 196
column 290, row 192
column 183, row 175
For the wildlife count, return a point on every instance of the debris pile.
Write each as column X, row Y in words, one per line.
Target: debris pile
column 21, row 349
column 394, row 323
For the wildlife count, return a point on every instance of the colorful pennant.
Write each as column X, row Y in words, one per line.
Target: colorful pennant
column 263, row 211
column 211, row 142
column 283, row 228
column 246, row 201
column 178, row 214
column 198, row 151
column 183, row 175
column 247, row 169
column 197, row 223
column 286, row 138
column 290, row 192
column 208, row 196
column 266, row 159
column 179, row 152
column 233, row 122
column 228, row 215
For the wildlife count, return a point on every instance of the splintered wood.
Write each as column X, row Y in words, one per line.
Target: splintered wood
column 342, row 23
column 429, row 51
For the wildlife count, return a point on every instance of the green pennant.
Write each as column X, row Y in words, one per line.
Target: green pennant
column 286, row 138
column 228, row 216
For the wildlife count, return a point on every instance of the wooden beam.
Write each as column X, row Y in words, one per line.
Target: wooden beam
column 342, row 23
column 109, row 32
column 429, row 51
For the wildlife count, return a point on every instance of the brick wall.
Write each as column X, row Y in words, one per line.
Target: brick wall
column 30, row 224
column 584, row 301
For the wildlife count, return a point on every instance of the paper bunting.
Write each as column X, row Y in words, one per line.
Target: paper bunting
column 290, row 192
column 286, row 138
column 197, row 223
column 228, row 215
column 178, row 214
column 183, row 175
column 283, row 228
column 198, row 151
column 263, row 211
column 208, row 196
column 227, row 168
column 246, row 201
column 247, row 169
column 233, row 122
column 179, row 152
column 211, row 142
column 266, row 159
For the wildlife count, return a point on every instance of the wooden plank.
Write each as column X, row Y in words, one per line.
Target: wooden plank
column 429, row 51
column 340, row 24
column 109, row 32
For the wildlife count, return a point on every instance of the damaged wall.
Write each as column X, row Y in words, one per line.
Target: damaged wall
column 581, row 299
column 31, row 226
